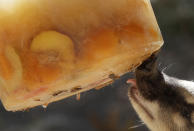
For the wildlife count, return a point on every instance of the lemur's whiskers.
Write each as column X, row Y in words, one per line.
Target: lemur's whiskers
column 136, row 126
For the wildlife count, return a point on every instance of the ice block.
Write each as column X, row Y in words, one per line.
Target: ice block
column 53, row 49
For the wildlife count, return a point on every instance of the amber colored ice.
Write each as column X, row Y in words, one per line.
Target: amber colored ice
column 44, row 44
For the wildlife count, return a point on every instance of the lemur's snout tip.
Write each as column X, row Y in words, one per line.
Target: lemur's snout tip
column 149, row 63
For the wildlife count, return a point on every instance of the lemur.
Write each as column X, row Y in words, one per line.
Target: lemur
column 164, row 103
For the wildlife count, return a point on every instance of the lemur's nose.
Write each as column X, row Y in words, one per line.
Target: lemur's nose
column 149, row 64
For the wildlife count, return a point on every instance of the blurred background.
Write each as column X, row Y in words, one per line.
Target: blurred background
column 109, row 109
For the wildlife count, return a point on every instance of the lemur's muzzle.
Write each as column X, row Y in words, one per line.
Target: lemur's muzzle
column 149, row 79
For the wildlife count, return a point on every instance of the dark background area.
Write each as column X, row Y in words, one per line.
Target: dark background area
column 109, row 109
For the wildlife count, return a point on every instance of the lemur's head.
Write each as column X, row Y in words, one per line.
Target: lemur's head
column 164, row 103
